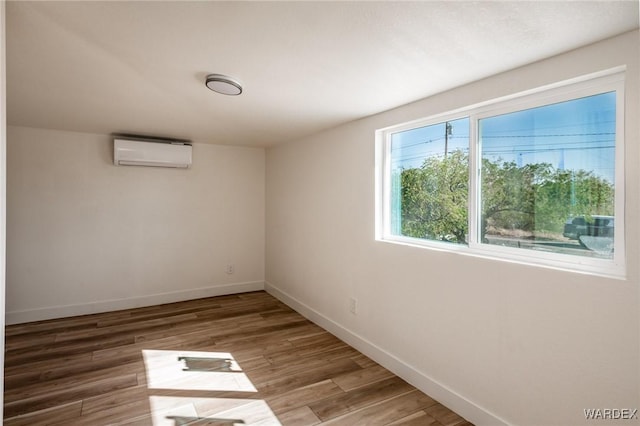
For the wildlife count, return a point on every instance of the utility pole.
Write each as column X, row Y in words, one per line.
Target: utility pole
column 448, row 130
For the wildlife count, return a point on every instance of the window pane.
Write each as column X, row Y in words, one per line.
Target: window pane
column 547, row 178
column 429, row 182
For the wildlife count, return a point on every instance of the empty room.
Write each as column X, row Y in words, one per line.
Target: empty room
column 320, row 213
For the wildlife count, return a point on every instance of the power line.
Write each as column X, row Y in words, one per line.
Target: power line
column 558, row 135
column 594, row 123
column 547, row 136
column 536, row 151
column 511, row 151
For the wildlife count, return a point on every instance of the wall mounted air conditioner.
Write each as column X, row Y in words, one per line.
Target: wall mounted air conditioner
column 127, row 152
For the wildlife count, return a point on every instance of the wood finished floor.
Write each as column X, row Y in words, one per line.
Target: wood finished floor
column 230, row 360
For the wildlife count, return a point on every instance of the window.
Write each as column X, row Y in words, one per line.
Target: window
column 429, row 178
column 537, row 178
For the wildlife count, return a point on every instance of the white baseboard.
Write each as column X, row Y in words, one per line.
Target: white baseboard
column 436, row 390
column 18, row 317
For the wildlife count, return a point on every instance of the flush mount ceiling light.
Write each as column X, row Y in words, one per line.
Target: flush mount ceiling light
column 223, row 84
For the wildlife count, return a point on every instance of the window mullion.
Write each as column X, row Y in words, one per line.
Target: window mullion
column 474, row 182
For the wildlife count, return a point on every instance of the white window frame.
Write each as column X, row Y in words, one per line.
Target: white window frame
column 606, row 81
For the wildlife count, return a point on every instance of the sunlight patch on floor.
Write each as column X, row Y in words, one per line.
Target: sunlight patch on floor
column 190, row 370
column 201, row 371
column 176, row 411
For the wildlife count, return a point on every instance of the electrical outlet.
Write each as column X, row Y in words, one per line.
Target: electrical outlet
column 230, row 269
column 353, row 306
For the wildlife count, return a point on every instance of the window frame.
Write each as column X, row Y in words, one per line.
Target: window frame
column 606, row 81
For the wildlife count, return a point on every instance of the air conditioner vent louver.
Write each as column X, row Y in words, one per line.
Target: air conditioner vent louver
column 128, row 152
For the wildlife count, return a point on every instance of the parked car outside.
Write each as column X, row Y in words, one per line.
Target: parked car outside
column 589, row 225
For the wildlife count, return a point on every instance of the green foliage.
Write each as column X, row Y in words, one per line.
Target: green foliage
column 534, row 198
column 434, row 199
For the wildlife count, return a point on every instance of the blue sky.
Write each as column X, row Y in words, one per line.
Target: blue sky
column 410, row 148
column 572, row 135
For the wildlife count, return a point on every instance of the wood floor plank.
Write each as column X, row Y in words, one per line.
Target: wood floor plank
column 156, row 314
column 134, row 350
column 420, row 418
column 443, row 415
column 245, row 357
column 360, row 397
column 306, row 377
column 385, row 412
column 113, row 399
column 362, row 377
column 57, row 397
column 46, row 387
column 364, row 361
column 134, row 410
column 295, row 368
column 29, row 341
column 298, row 397
column 328, row 352
column 299, row 416
column 198, row 328
column 44, row 352
column 63, row 412
column 23, row 378
column 128, row 328
column 93, row 368
column 52, row 326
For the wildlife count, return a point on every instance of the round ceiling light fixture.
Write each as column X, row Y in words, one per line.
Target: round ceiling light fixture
column 223, row 84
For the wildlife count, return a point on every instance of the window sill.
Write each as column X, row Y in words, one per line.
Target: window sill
column 532, row 258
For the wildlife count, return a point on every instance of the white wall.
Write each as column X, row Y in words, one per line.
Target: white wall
column 84, row 235
column 496, row 341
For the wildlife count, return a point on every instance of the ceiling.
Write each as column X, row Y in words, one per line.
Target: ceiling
column 139, row 67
